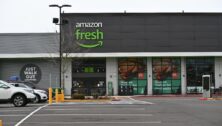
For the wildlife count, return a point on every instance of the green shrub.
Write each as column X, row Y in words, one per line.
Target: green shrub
column 78, row 96
column 54, row 91
column 95, row 95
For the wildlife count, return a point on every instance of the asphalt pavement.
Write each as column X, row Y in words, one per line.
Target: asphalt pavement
column 140, row 111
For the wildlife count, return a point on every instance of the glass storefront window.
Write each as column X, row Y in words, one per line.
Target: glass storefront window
column 132, row 76
column 196, row 67
column 89, row 76
column 166, row 75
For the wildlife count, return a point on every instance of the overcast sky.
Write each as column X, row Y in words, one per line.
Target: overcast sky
column 28, row 16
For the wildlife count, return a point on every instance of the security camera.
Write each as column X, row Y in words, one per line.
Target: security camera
column 55, row 20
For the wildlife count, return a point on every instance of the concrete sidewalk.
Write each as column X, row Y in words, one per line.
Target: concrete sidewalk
column 112, row 100
column 197, row 96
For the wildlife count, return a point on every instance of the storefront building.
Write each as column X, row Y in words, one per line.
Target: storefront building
column 123, row 53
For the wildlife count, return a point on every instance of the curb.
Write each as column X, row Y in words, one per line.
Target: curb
column 167, row 96
column 115, row 99
column 84, row 100
column 204, row 99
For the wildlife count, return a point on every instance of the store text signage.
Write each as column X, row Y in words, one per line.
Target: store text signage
column 30, row 72
column 89, row 34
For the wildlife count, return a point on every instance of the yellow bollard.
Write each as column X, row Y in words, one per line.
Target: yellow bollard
column 1, row 123
column 57, row 95
column 50, row 95
column 62, row 98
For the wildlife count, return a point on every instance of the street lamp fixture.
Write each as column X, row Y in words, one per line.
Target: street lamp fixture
column 60, row 22
column 56, row 5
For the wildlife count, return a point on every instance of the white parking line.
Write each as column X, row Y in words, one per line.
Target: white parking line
column 22, row 110
column 62, row 109
column 144, row 102
column 89, row 106
column 12, row 115
column 87, row 109
column 93, row 115
column 20, row 122
column 151, row 122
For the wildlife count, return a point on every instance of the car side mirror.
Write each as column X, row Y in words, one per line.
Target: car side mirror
column 16, row 85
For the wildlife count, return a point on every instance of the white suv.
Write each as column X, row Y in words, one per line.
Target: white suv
column 18, row 96
column 41, row 95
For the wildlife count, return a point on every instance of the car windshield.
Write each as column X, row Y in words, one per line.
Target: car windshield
column 3, row 82
column 28, row 83
column 23, row 85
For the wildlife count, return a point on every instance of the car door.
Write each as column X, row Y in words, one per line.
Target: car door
column 5, row 92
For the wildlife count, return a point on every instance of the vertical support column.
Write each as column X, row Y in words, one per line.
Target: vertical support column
column 112, row 74
column 218, row 72
column 67, row 77
column 183, row 76
column 149, row 76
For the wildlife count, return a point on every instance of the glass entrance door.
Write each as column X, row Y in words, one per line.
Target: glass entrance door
column 89, row 86
column 196, row 67
column 89, row 76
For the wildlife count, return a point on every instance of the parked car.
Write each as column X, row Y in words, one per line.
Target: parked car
column 18, row 96
column 41, row 95
column 28, row 83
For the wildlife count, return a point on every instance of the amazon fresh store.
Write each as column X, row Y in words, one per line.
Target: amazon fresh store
column 142, row 53
column 129, row 53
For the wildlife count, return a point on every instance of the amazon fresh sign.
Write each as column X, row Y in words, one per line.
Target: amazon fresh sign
column 89, row 34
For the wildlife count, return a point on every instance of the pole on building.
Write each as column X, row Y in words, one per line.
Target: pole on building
column 60, row 39
column 60, row 47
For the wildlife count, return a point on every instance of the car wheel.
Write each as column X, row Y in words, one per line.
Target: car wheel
column 19, row 100
column 37, row 99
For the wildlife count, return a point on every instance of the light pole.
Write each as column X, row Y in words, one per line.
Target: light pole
column 55, row 20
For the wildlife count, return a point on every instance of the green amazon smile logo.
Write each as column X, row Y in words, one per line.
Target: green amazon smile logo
column 89, row 39
column 98, row 44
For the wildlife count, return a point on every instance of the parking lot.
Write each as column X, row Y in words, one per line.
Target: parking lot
column 127, row 112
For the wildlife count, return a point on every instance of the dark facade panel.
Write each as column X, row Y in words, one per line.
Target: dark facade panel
column 157, row 20
column 147, row 32
column 207, row 20
column 156, row 36
column 156, row 28
column 206, row 28
column 132, row 20
column 181, row 20
column 181, row 28
column 181, row 35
